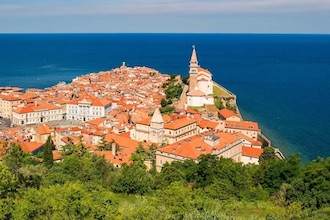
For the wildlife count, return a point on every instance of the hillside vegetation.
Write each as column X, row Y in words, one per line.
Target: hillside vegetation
column 85, row 186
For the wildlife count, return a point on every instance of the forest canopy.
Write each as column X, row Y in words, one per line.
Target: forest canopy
column 86, row 186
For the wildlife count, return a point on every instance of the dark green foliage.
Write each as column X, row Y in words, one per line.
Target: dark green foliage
column 15, row 158
column 168, row 109
column 140, row 155
column 8, row 182
column 48, row 152
column 70, row 201
column 268, row 154
column 218, row 103
column 133, row 180
column 312, row 188
column 172, row 77
column 167, row 176
column 104, row 145
column 31, row 175
column 276, row 172
column 83, row 186
column 83, row 167
column 185, row 80
column 174, row 91
column 163, row 103
column 177, row 198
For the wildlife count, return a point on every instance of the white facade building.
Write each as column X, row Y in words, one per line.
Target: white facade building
column 87, row 109
column 200, row 84
column 37, row 114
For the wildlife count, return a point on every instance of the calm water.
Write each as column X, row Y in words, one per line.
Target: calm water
column 281, row 81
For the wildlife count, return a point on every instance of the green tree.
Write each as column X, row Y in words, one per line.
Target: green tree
column 139, row 156
column 312, row 188
column 177, row 199
column 163, row 103
column 48, row 152
column 133, row 180
column 151, row 153
column 167, row 109
column 77, row 166
column 104, row 145
column 273, row 173
column 185, row 79
column 68, row 201
column 15, row 158
column 168, row 175
column 8, row 182
column 268, row 154
column 31, row 175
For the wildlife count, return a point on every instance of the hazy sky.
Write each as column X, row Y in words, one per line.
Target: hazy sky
column 191, row 16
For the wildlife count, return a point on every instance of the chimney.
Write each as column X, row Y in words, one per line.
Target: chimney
column 113, row 149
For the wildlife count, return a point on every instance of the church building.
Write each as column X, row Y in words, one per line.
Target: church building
column 200, row 90
column 163, row 129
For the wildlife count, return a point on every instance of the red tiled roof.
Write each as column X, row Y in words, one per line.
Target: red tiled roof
column 251, row 151
column 30, row 146
column 179, row 123
column 207, row 124
column 194, row 146
column 43, row 129
column 243, row 125
column 226, row 113
column 122, row 141
column 45, row 107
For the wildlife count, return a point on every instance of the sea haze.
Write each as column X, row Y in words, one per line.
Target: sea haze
column 281, row 81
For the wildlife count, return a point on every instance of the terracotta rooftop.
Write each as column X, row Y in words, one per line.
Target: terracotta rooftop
column 243, row 125
column 251, row 152
column 179, row 123
column 226, row 113
column 194, row 146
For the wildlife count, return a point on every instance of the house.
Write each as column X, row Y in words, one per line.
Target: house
column 215, row 143
column 37, row 114
column 7, row 102
column 87, row 108
column 228, row 115
column 251, row 155
column 42, row 132
column 248, row 128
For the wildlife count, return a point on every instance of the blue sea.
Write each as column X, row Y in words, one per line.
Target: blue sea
column 281, row 81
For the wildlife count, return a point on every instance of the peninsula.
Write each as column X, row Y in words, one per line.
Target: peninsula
column 128, row 107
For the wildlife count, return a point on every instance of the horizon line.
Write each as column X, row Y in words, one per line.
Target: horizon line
column 225, row 33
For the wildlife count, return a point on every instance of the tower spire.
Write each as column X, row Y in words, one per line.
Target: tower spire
column 193, row 59
column 157, row 116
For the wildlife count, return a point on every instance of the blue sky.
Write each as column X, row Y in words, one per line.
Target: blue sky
column 159, row 16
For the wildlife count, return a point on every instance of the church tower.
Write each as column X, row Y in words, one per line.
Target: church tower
column 193, row 71
column 156, row 127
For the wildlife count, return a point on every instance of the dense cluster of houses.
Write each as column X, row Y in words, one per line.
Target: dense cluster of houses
column 121, row 107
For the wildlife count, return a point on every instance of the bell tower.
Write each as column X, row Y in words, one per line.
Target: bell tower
column 156, row 128
column 193, row 70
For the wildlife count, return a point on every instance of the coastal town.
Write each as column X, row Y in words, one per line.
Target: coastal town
column 129, row 107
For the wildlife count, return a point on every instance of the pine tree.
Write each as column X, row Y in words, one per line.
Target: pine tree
column 48, row 152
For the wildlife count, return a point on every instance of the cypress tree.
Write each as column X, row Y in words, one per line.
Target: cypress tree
column 48, row 152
